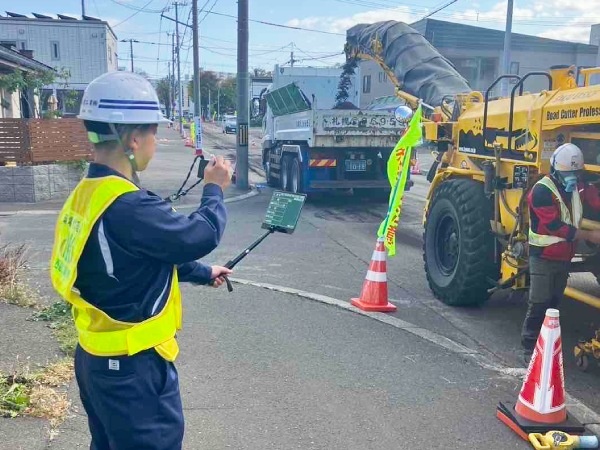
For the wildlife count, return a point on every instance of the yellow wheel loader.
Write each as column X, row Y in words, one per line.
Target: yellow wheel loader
column 490, row 152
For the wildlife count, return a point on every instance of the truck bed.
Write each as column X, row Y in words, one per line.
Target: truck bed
column 340, row 128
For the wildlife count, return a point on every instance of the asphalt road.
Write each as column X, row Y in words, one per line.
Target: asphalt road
column 345, row 227
column 266, row 369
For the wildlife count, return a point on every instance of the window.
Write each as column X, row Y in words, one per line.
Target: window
column 383, row 77
column 514, row 68
column 366, row 84
column 54, row 50
column 110, row 54
column 8, row 43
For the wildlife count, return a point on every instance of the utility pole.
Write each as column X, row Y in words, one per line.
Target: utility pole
column 242, row 96
column 172, row 74
column 507, row 44
column 82, row 8
column 196, row 45
column 131, row 41
column 170, row 89
column 179, row 90
column 292, row 60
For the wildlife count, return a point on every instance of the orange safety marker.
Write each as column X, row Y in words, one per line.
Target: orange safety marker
column 541, row 405
column 415, row 169
column 374, row 295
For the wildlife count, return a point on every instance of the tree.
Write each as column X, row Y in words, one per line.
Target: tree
column 222, row 92
column 163, row 89
column 345, row 81
column 228, row 95
column 29, row 84
column 259, row 72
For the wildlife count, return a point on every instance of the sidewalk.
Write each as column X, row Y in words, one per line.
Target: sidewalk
column 164, row 176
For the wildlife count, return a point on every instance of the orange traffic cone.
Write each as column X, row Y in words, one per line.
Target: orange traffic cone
column 541, row 403
column 374, row 295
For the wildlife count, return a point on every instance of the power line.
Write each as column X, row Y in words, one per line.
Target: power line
column 133, row 15
column 207, row 12
column 138, row 9
column 279, row 25
column 451, row 2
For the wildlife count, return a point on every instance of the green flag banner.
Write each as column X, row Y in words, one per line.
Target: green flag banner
column 397, row 170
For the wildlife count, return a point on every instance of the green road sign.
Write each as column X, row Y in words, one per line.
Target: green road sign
column 284, row 211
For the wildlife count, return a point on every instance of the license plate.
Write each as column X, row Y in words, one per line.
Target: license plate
column 356, row 165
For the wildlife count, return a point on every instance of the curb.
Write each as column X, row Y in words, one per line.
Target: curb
column 586, row 415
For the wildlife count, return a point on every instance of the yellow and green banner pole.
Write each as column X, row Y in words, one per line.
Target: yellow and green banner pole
column 397, row 171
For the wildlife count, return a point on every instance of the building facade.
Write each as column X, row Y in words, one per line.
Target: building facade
column 86, row 47
column 477, row 54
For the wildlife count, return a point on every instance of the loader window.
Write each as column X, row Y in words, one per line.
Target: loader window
column 590, row 148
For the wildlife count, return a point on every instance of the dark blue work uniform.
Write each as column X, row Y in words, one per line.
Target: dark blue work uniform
column 133, row 402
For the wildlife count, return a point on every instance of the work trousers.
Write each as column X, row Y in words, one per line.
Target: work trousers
column 132, row 402
column 548, row 280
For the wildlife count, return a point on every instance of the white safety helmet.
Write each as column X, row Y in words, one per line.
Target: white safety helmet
column 121, row 98
column 567, row 158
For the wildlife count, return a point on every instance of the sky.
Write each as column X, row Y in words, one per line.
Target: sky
column 324, row 21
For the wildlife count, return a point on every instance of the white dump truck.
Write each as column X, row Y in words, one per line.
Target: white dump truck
column 310, row 146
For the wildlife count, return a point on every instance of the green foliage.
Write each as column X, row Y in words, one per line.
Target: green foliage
column 59, row 310
column 223, row 92
column 14, row 396
column 346, row 81
column 163, row 90
column 61, row 322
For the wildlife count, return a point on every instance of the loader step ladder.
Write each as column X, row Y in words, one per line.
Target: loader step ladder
column 518, row 85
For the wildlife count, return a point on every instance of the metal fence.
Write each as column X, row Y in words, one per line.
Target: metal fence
column 39, row 141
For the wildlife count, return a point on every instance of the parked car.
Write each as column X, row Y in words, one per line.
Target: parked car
column 229, row 124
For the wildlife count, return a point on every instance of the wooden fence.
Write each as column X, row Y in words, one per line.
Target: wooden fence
column 39, row 141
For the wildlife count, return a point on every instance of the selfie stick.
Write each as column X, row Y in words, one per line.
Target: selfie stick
column 232, row 263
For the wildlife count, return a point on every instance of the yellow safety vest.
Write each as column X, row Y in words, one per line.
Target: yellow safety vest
column 99, row 334
column 544, row 240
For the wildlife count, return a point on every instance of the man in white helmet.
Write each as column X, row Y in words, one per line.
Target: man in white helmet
column 119, row 254
column 556, row 205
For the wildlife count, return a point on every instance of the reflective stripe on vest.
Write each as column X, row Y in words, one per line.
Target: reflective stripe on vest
column 544, row 240
column 99, row 334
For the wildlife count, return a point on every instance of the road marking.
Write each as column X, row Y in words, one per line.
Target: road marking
column 575, row 406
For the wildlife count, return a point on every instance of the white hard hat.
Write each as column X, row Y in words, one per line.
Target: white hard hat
column 567, row 158
column 121, row 98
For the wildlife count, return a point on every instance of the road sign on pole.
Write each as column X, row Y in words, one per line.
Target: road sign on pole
column 198, row 135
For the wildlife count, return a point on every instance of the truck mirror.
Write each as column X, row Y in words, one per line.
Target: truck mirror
column 403, row 113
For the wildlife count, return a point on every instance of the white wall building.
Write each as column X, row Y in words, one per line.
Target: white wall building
column 87, row 47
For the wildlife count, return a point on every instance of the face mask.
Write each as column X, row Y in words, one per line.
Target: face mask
column 569, row 181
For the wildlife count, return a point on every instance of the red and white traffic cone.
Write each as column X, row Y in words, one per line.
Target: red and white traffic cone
column 374, row 295
column 541, row 405
column 415, row 169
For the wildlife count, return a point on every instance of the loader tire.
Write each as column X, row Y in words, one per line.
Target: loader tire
column 458, row 245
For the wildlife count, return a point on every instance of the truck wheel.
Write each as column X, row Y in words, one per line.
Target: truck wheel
column 284, row 173
column 458, row 247
column 296, row 177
